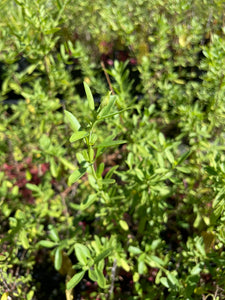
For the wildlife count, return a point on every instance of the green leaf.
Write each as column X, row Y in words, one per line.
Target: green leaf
column 172, row 279
column 75, row 280
column 123, row 225
column 78, row 135
column 219, row 197
column 156, row 260
column 161, row 139
column 115, row 113
column 45, row 142
column 184, row 170
column 76, row 175
column 124, row 264
column 93, row 139
column 139, row 174
column 58, row 259
column 106, row 144
column 141, row 267
column 33, row 187
column 53, row 167
column 75, row 125
column 100, row 170
column 89, row 201
column 24, row 239
column 66, row 163
column 134, row 250
column 82, row 253
column 102, row 255
column 211, row 171
column 30, row 295
column 88, row 92
column 101, row 279
column 111, row 171
column 136, row 277
column 47, row 244
column 169, row 156
column 217, row 212
column 53, row 234
column 105, row 110
column 164, row 282
column 183, row 157
column 92, row 275
column 52, row 30
column 107, row 181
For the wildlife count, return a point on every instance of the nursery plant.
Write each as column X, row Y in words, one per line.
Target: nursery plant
column 112, row 160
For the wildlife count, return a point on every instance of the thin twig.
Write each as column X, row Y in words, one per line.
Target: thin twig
column 113, row 277
column 68, row 190
column 107, row 77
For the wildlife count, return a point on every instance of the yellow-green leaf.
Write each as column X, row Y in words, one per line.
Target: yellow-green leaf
column 123, row 225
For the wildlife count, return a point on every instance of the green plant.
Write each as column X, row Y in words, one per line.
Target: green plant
column 121, row 195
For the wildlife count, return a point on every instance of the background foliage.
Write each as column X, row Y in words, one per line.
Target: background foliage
column 115, row 187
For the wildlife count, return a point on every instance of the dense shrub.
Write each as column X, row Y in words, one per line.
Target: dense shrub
column 112, row 149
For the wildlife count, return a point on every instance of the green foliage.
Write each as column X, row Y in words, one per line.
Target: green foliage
column 112, row 162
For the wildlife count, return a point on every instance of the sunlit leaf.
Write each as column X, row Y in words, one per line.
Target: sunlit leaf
column 75, row 280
